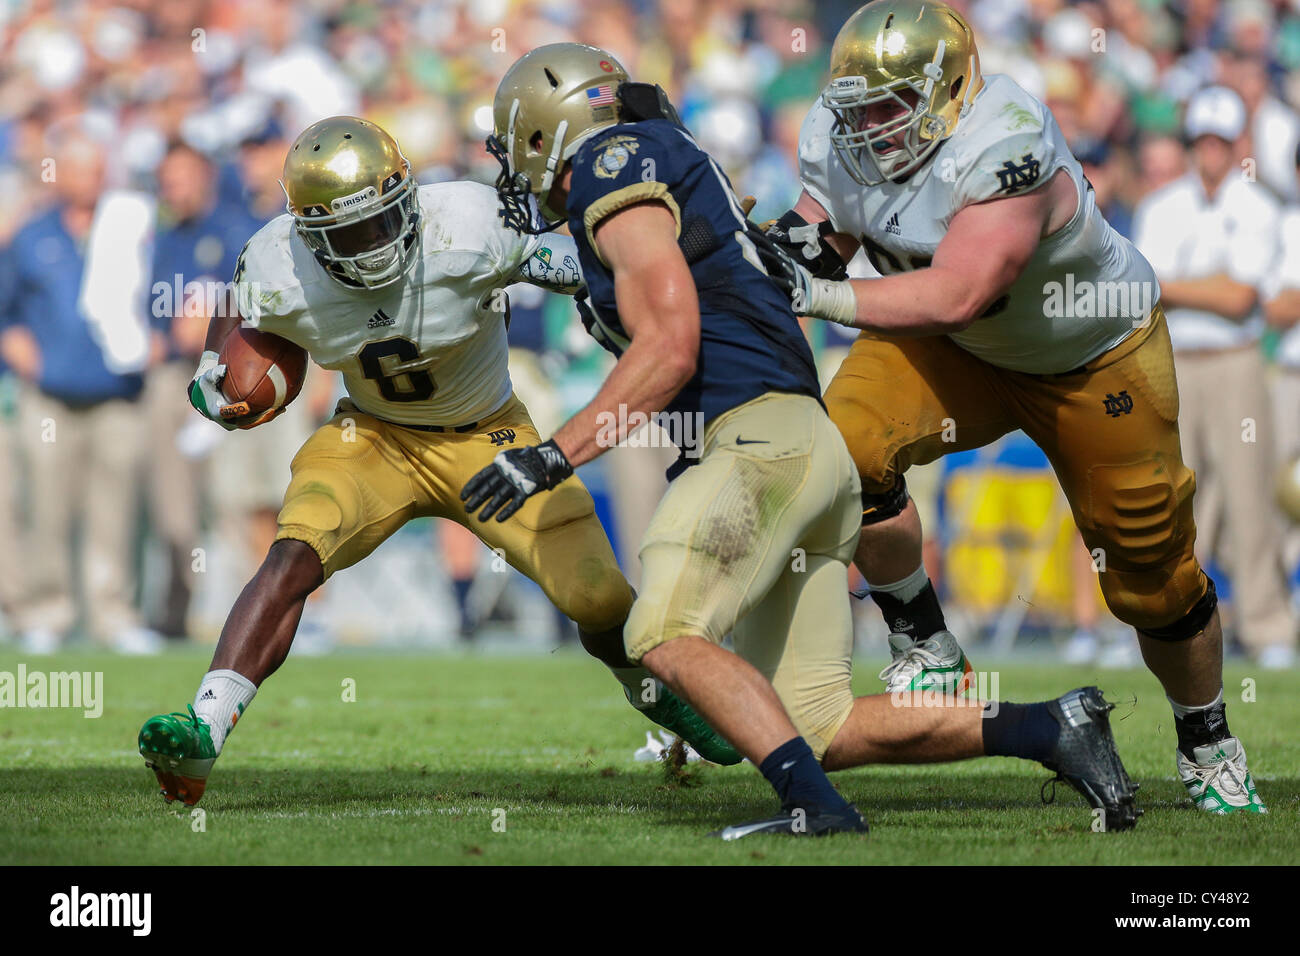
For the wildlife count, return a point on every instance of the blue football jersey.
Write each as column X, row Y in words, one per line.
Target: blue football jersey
column 750, row 341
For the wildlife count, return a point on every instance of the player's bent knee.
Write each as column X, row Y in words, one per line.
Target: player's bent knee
column 881, row 506
column 313, row 501
column 638, row 641
column 595, row 596
column 1140, row 529
column 1189, row 624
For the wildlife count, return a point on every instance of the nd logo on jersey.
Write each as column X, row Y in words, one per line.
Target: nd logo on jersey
column 614, row 156
column 1012, row 176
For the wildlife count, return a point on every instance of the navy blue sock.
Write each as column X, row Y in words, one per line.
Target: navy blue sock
column 798, row 778
column 1020, row 730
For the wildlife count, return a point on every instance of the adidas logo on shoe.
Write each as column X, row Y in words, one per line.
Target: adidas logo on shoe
column 208, row 695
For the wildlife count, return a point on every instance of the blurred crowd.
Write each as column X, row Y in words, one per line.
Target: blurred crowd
column 140, row 146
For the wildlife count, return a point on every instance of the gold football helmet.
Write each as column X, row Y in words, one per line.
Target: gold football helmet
column 353, row 200
column 547, row 105
column 885, row 50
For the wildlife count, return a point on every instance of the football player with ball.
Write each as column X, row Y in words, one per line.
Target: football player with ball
column 399, row 287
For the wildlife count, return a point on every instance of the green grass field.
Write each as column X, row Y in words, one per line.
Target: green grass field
column 413, row 770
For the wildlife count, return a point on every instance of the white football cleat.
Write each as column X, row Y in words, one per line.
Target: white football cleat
column 1218, row 781
column 937, row 663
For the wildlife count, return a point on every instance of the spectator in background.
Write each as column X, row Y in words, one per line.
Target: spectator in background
column 1273, row 126
column 1161, row 160
column 194, row 258
column 1211, row 237
column 77, row 336
column 1282, row 310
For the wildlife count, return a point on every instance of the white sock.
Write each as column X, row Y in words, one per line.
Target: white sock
column 221, row 700
column 1183, row 710
column 906, row 589
column 634, row 680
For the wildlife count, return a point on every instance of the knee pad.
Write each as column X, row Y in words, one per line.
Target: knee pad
column 1143, row 525
column 878, row 507
column 597, row 598
column 1191, row 623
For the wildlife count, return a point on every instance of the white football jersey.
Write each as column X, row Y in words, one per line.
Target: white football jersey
column 429, row 349
column 1084, row 290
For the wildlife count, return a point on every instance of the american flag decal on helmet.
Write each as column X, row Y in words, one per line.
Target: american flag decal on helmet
column 600, row 96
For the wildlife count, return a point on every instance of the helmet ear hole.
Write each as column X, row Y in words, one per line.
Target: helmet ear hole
column 956, row 87
column 535, row 141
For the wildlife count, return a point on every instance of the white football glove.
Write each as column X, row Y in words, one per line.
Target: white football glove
column 205, row 389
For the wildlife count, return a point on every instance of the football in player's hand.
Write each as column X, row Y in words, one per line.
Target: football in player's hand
column 263, row 372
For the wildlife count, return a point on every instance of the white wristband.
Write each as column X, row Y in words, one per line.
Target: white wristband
column 834, row 301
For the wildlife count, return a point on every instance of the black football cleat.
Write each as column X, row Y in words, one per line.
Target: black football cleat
column 1086, row 757
column 795, row 821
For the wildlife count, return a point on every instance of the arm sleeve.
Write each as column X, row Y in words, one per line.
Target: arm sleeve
column 619, row 170
column 246, row 299
column 263, row 279
column 1014, row 165
column 554, row 265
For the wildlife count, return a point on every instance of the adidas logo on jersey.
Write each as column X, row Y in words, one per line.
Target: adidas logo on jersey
column 379, row 320
column 892, row 227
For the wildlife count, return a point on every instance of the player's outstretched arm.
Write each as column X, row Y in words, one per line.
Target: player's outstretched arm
column 986, row 248
column 659, row 308
column 554, row 265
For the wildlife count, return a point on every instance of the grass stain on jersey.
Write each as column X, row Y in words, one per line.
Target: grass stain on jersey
column 1020, row 118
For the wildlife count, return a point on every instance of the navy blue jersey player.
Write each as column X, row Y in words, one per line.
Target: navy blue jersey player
column 750, row 342
column 677, row 290
column 754, row 538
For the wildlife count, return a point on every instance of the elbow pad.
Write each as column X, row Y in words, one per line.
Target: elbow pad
column 804, row 242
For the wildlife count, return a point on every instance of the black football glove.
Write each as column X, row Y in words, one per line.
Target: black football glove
column 806, row 243
column 790, row 276
column 514, row 476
